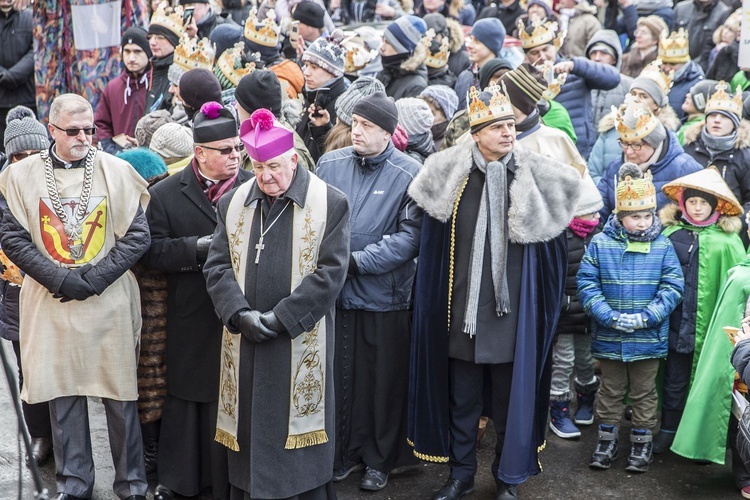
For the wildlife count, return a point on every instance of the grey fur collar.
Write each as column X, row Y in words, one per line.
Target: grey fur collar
column 543, row 194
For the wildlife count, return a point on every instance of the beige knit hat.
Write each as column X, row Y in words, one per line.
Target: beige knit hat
column 172, row 140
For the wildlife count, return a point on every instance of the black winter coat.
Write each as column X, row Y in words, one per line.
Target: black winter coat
column 315, row 137
column 442, row 76
column 700, row 23
column 507, row 15
column 17, row 60
column 572, row 318
column 158, row 96
column 725, row 66
column 207, row 25
column 400, row 82
column 683, row 318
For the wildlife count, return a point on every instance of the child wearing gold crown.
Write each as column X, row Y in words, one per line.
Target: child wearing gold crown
column 703, row 226
column 629, row 283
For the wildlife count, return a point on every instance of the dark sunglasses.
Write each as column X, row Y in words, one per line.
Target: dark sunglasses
column 22, row 155
column 228, row 150
column 72, row 132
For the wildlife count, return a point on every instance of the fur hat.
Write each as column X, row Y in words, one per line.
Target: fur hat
column 635, row 192
column 24, row 132
column 591, row 199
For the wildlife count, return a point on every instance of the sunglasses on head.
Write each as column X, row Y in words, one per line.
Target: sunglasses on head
column 227, row 150
column 72, row 132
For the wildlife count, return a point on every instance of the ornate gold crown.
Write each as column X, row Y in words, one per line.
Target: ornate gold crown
column 440, row 58
column 554, row 82
column 675, row 48
column 169, row 17
column 498, row 108
column 192, row 54
column 265, row 33
column 634, row 195
column 229, row 68
column 653, row 71
column 634, row 112
column 543, row 32
column 721, row 100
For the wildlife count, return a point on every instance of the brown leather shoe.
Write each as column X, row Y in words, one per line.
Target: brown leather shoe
column 41, row 449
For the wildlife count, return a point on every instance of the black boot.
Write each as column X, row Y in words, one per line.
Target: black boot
column 663, row 441
column 150, row 433
column 641, row 450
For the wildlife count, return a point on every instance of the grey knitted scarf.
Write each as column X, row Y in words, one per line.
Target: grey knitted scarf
column 492, row 217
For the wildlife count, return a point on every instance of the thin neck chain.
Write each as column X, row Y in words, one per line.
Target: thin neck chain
column 262, row 232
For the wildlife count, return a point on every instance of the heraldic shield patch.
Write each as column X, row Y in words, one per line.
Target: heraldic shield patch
column 86, row 239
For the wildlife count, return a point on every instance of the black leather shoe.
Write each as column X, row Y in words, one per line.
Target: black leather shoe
column 68, row 496
column 41, row 449
column 163, row 493
column 506, row 491
column 373, row 480
column 136, row 497
column 454, row 489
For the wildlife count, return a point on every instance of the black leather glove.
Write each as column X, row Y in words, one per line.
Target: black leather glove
column 353, row 270
column 271, row 322
column 74, row 287
column 202, row 246
column 251, row 327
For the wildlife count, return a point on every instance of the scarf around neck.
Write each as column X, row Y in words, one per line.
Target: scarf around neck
column 213, row 189
column 716, row 145
column 649, row 234
column 582, row 228
column 492, row 216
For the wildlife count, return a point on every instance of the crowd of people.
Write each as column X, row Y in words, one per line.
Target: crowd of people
column 291, row 241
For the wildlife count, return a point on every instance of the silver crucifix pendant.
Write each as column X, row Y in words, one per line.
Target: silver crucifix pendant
column 260, row 246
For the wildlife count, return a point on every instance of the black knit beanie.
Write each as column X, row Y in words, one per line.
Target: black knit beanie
column 310, row 13
column 259, row 89
column 693, row 193
column 197, row 87
column 380, row 110
column 490, row 68
column 138, row 36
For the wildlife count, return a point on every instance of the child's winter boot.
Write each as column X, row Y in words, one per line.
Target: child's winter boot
column 606, row 447
column 641, row 450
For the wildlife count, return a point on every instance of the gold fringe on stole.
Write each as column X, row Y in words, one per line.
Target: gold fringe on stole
column 538, row 451
column 225, row 438
column 307, row 439
column 427, row 458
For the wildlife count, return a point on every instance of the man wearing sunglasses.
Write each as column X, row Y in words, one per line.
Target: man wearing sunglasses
column 75, row 225
column 182, row 217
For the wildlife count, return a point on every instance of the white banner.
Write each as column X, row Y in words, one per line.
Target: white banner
column 743, row 61
column 96, row 26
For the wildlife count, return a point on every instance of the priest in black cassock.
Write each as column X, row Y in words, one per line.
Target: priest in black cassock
column 277, row 262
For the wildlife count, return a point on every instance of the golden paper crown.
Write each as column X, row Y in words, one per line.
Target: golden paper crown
column 192, row 53
column 499, row 106
column 229, row 68
column 11, row 273
column 653, row 71
column 543, row 32
column 674, row 48
column 170, row 18
column 554, row 81
column 265, row 33
column 644, row 121
column 357, row 54
column 721, row 100
column 635, row 195
column 437, row 59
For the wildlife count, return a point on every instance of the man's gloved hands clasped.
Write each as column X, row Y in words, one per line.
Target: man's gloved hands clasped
column 74, row 287
column 249, row 323
column 202, row 246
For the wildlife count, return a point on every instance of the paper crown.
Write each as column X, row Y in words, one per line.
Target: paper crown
column 169, row 17
column 264, row 137
column 674, row 48
column 192, row 53
column 11, row 273
column 653, row 71
column 709, row 181
column 438, row 59
column 721, row 100
column 635, row 192
column 554, row 81
column 357, row 54
column 229, row 67
column 499, row 106
column 542, row 32
column 642, row 121
column 265, row 33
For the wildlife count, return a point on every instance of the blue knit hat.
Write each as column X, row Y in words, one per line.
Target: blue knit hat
column 491, row 33
column 404, row 33
column 445, row 97
column 147, row 163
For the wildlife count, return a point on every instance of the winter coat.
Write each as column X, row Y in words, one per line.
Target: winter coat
column 120, row 107
column 740, row 81
column 633, row 62
column 506, row 15
column 458, row 60
column 211, row 21
column 385, row 225
column 573, row 318
column 442, row 76
column 681, row 86
column 409, row 78
column 692, row 120
column 741, row 360
column 313, row 136
column 581, row 28
column 17, row 60
column 603, row 100
column 615, row 278
column 733, row 165
column 420, row 147
column 466, row 79
column 624, row 20
column 158, row 96
column 700, row 22
column 674, row 163
column 575, row 96
column 724, row 66
column 607, row 149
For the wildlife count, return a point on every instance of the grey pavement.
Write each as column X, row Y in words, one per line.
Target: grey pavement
column 565, row 471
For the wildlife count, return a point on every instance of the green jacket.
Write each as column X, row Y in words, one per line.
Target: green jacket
column 702, row 434
column 558, row 117
column 740, row 80
column 693, row 119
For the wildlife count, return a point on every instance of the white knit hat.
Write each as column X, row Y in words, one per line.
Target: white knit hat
column 590, row 200
column 414, row 115
column 172, row 140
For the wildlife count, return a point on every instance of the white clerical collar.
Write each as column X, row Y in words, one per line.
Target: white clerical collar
column 66, row 164
column 212, row 181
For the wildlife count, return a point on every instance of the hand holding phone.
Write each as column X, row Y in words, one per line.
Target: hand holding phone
column 321, row 101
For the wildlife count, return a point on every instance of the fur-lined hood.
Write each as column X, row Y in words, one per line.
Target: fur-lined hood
column 456, row 35
column 543, row 195
column 291, row 112
column 743, row 134
column 670, row 215
column 416, row 59
column 666, row 116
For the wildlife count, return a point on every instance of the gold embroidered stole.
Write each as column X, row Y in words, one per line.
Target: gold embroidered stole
column 306, row 420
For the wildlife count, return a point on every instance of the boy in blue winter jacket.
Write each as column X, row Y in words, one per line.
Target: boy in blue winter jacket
column 629, row 282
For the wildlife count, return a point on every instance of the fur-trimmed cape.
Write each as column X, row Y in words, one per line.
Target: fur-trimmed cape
column 543, row 194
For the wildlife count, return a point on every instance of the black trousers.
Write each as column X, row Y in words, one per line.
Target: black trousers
column 35, row 415
column 371, row 371
column 676, row 383
column 466, row 402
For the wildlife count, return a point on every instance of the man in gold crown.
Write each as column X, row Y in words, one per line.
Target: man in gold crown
column 701, row 18
column 488, row 288
column 674, row 53
column 205, row 17
column 164, row 35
